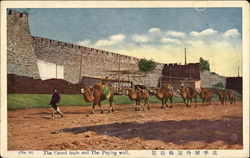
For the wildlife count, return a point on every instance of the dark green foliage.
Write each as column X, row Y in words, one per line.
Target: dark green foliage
column 145, row 65
column 204, row 65
column 219, row 85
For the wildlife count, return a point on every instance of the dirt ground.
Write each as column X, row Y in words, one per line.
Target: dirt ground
column 211, row 127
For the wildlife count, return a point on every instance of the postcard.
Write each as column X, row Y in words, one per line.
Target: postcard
column 125, row 79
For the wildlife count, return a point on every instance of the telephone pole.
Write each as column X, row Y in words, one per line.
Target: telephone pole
column 238, row 71
column 185, row 56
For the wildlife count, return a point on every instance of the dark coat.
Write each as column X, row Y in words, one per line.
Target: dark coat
column 55, row 99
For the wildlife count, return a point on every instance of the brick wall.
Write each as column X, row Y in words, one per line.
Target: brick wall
column 189, row 71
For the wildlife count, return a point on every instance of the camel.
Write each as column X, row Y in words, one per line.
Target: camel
column 222, row 96
column 206, row 96
column 231, row 97
column 165, row 93
column 137, row 95
column 187, row 95
column 96, row 95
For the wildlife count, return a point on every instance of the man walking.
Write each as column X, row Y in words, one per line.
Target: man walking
column 54, row 102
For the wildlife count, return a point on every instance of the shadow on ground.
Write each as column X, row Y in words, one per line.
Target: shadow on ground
column 228, row 130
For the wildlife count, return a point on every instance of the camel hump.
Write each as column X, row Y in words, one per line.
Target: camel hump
column 168, row 87
column 191, row 90
column 98, row 85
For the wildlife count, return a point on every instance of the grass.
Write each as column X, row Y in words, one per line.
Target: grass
column 22, row 101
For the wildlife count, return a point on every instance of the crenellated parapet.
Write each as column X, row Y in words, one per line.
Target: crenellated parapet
column 55, row 43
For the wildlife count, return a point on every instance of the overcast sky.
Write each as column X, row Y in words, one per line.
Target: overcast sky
column 158, row 33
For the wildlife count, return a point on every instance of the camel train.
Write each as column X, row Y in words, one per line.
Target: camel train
column 100, row 92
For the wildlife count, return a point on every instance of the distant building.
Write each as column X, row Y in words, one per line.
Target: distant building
column 234, row 83
column 176, row 74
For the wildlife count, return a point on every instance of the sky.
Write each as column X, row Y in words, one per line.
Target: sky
column 161, row 34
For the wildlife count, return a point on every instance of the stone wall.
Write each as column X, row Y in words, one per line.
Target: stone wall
column 24, row 52
column 79, row 60
column 21, row 59
column 208, row 79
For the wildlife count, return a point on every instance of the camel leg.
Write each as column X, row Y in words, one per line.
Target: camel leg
column 184, row 100
column 113, row 109
column 166, row 102
column 111, row 105
column 139, row 105
column 190, row 102
column 148, row 105
column 195, row 99
column 99, row 103
column 93, row 108
column 136, row 105
column 162, row 106
column 145, row 102
column 171, row 102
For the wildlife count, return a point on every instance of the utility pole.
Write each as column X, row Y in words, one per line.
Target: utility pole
column 185, row 57
column 238, row 71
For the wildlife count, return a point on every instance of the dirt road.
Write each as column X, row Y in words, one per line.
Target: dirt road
column 211, row 127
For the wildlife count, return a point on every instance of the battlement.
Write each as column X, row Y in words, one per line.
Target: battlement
column 16, row 14
column 83, row 48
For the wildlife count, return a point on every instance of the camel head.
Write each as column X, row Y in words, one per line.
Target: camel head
column 178, row 91
column 128, row 91
column 202, row 93
column 82, row 90
column 154, row 90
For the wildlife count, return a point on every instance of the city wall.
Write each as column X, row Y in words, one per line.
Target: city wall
column 26, row 53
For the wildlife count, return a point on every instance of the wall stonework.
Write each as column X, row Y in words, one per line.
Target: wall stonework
column 21, row 59
column 78, row 60
column 208, row 79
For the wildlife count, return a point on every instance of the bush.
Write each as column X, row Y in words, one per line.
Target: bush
column 219, row 85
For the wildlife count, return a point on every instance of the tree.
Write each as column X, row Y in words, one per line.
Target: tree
column 204, row 65
column 145, row 65
column 219, row 85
